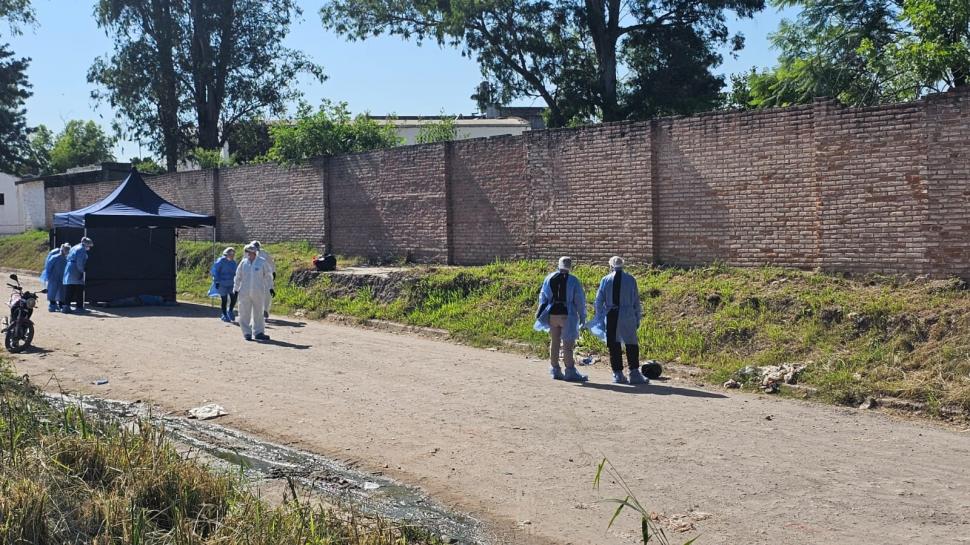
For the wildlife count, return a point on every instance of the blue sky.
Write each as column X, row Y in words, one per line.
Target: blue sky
column 381, row 75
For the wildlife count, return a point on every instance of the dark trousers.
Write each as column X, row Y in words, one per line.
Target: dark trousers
column 616, row 351
column 232, row 301
column 75, row 294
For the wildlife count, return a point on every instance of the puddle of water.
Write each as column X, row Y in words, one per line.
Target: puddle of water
column 372, row 494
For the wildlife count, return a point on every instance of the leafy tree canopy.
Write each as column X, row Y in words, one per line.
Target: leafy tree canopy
column 570, row 54
column 184, row 72
column 81, row 143
column 863, row 52
column 330, row 130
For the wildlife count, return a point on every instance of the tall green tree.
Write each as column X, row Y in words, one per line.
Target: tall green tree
column 14, row 92
column 41, row 144
column 569, row 53
column 81, row 143
column 865, row 52
column 17, row 14
column 184, row 72
column 936, row 42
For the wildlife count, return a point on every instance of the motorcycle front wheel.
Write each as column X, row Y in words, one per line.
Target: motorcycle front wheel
column 15, row 343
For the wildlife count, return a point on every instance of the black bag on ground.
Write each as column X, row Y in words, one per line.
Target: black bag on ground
column 325, row 262
column 652, row 369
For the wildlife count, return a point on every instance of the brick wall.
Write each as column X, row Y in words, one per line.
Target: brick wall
column 391, row 203
column 871, row 172
column 947, row 127
column 590, row 192
column 737, row 188
column 884, row 189
column 271, row 203
column 491, row 206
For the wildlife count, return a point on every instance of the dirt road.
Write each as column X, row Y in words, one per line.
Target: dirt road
column 489, row 433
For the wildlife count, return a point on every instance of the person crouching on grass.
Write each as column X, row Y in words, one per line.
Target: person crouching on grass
column 562, row 312
column 252, row 282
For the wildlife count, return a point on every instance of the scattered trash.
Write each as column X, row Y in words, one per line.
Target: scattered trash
column 680, row 522
column 207, row 412
column 869, row 403
column 100, row 382
column 368, row 485
column 769, row 377
column 588, row 360
column 731, row 383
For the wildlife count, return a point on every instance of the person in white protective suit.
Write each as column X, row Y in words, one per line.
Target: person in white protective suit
column 562, row 312
column 272, row 269
column 618, row 314
column 252, row 283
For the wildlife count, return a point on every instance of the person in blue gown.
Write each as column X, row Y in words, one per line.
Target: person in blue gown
column 562, row 313
column 617, row 318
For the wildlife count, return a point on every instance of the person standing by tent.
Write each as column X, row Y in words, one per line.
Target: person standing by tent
column 618, row 314
column 271, row 263
column 223, row 275
column 252, row 282
column 53, row 276
column 77, row 260
column 562, row 312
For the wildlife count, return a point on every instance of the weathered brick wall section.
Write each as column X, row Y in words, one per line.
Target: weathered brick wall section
column 271, row 203
column 884, row 189
column 948, row 159
column 391, row 203
column 736, row 188
column 56, row 199
column 590, row 192
column 871, row 170
column 491, row 199
column 193, row 191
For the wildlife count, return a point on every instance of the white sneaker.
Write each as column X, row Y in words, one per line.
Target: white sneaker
column 636, row 377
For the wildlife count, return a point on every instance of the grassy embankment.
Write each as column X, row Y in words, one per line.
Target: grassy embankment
column 859, row 336
column 68, row 478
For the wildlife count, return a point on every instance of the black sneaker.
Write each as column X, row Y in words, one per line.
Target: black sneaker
column 262, row 337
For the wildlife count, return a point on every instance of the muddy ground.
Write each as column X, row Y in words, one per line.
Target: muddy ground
column 490, row 434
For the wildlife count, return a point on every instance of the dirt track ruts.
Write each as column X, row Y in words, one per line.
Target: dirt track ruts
column 489, row 433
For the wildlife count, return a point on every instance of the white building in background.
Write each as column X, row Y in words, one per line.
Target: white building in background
column 10, row 222
column 408, row 127
column 33, row 207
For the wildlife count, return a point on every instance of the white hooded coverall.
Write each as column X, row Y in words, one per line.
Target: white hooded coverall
column 253, row 281
column 271, row 264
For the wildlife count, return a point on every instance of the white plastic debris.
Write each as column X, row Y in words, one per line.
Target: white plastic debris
column 207, row 412
column 368, row 485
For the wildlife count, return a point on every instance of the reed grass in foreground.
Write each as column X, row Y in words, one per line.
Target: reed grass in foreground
column 68, row 479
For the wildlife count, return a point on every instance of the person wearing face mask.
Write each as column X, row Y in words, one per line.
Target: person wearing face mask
column 252, row 282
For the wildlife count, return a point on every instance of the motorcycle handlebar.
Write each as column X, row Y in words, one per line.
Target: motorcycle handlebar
column 14, row 287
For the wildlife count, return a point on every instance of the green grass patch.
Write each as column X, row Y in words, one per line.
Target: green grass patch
column 66, row 477
column 860, row 336
column 25, row 251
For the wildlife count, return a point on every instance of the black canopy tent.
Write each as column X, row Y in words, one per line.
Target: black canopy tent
column 133, row 230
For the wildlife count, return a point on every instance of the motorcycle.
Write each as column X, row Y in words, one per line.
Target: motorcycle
column 18, row 329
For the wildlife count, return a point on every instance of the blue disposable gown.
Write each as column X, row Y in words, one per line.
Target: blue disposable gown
column 77, row 261
column 223, row 273
column 53, row 275
column 575, row 307
column 630, row 310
